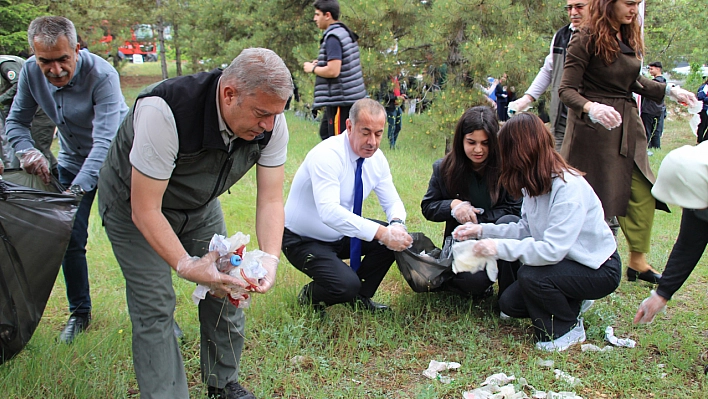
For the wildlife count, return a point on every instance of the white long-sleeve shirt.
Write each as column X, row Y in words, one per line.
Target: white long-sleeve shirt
column 321, row 197
column 568, row 222
column 545, row 74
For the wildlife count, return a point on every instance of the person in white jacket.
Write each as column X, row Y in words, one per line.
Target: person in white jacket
column 567, row 251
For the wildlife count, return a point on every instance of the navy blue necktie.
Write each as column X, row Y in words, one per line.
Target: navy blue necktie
column 355, row 243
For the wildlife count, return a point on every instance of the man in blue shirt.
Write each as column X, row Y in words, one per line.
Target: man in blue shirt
column 80, row 92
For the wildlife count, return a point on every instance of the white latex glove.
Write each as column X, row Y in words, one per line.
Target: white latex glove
column 270, row 263
column 464, row 212
column 203, row 271
column 396, row 238
column 520, row 105
column 34, row 162
column 649, row 308
column 467, row 231
column 605, row 115
column 685, row 97
column 485, row 247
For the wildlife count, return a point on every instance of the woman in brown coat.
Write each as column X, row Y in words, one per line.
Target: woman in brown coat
column 605, row 137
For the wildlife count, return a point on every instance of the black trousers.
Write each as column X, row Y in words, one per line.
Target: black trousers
column 551, row 295
column 702, row 133
column 334, row 121
column 653, row 128
column 333, row 281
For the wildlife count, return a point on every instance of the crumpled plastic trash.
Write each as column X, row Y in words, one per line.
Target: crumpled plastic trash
column 624, row 342
column 563, row 376
column 435, row 367
column 595, row 348
column 250, row 268
column 545, row 363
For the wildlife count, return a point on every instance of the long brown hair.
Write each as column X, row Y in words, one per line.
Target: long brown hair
column 456, row 165
column 602, row 26
column 528, row 158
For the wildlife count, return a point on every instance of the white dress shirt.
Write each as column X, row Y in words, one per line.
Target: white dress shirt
column 321, row 197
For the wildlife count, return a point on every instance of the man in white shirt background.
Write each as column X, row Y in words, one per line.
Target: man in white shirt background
column 552, row 70
column 320, row 218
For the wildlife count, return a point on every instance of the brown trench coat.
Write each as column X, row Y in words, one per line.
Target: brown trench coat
column 606, row 156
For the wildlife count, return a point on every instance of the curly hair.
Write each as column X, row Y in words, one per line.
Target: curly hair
column 528, row 158
column 602, row 25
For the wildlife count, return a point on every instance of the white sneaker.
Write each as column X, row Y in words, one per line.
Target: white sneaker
column 504, row 316
column 572, row 337
column 585, row 305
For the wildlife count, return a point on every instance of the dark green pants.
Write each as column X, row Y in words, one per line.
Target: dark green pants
column 151, row 302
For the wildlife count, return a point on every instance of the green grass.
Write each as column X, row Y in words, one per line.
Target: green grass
column 355, row 355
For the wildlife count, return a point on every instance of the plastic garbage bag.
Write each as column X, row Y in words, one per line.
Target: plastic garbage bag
column 35, row 226
column 424, row 266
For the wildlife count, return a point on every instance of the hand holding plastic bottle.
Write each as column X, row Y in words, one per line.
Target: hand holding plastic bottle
column 270, row 263
column 396, row 237
column 605, row 115
column 464, row 212
column 467, row 231
column 34, row 162
column 649, row 308
column 203, row 271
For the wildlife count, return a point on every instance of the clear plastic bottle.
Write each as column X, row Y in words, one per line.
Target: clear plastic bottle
column 228, row 262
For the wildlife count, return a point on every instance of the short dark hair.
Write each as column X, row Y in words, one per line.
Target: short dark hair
column 328, row 6
column 655, row 64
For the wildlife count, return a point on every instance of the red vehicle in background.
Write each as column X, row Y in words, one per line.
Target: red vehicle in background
column 140, row 43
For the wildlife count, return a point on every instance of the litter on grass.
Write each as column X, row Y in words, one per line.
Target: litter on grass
column 624, row 342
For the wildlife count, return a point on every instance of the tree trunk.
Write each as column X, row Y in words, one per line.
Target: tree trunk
column 178, row 51
column 161, row 41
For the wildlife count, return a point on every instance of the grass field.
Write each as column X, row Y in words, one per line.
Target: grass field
column 357, row 355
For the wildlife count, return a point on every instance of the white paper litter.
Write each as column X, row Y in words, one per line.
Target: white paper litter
column 435, row 367
column 563, row 376
column 624, row 342
column 595, row 348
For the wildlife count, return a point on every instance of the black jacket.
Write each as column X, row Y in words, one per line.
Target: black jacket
column 436, row 203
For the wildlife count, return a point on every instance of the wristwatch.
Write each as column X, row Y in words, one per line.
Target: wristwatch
column 76, row 189
column 398, row 221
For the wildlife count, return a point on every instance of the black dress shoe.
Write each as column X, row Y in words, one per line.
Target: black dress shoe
column 650, row 276
column 361, row 302
column 77, row 323
column 304, row 298
column 232, row 390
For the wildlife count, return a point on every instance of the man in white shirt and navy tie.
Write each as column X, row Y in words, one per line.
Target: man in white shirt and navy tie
column 323, row 225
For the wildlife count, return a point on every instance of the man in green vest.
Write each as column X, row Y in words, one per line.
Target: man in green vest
column 186, row 141
column 42, row 130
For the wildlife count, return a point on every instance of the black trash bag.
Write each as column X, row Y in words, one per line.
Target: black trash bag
column 35, row 227
column 425, row 273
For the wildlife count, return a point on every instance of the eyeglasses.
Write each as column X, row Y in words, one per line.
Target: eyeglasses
column 578, row 6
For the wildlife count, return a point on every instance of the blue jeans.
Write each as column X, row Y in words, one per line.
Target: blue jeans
column 74, row 265
column 394, row 126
